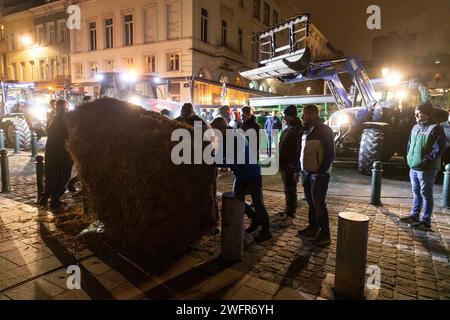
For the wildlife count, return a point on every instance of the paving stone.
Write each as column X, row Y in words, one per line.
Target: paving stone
column 262, row 285
column 246, row 293
column 39, row 289
column 291, row 294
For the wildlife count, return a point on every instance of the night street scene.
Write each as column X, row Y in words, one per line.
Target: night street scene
column 225, row 156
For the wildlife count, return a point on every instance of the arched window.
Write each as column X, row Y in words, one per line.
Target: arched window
column 205, row 74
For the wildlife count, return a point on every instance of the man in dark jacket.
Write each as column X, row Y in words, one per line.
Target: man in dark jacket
column 248, row 180
column 446, row 155
column 316, row 158
column 189, row 117
column 58, row 163
column 272, row 123
column 247, row 123
column 425, row 147
column 289, row 161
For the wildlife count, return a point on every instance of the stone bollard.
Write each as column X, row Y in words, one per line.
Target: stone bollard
column 351, row 251
column 377, row 174
column 16, row 142
column 40, row 175
column 232, row 237
column 5, row 171
column 445, row 201
column 2, row 139
column 34, row 150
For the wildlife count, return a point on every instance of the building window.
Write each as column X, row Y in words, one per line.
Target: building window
column 61, row 31
column 14, row 71
column 109, row 43
column 256, row 8
column 128, row 30
column 275, row 18
column 12, row 42
column 204, row 25
column 93, row 68
column 266, row 15
column 173, row 60
column 223, row 39
column 42, row 70
column 128, row 62
column 149, row 64
column 51, row 33
column 33, row 78
column 240, row 40
column 173, row 19
column 78, row 70
column 150, row 23
column 22, row 68
column 92, row 36
column 255, row 50
column 64, row 65
column 175, row 91
column 40, row 34
column 2, row 32
column 53, row 71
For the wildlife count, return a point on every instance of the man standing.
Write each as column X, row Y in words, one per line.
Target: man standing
column 425, row 147
column 189, row 117
column 316, row 159
column 272, row 123
column 248, row 122
column 248, row 180
column 52, row 111
column 289, row 158
column 58, row 163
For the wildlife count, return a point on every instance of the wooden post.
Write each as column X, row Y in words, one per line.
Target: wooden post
column 351, row 251
column 232, row 237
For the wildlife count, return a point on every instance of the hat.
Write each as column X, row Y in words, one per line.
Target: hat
column 291, row 111
column 426, row 108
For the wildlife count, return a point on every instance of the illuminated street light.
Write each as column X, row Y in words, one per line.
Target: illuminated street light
column 130, row 76
column 393, row 79
column 157, row 80
column 308, row 90
column 26, row 41
column 99, row 77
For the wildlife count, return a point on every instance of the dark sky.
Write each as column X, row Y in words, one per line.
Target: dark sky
column 343, row 22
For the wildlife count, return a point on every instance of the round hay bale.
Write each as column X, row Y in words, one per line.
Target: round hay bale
column 148, row 204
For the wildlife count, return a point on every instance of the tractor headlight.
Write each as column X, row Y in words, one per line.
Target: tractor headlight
column 136, row 100
column 39, row 112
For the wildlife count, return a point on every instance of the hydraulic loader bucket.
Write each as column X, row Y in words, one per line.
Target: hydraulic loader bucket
column 281, row 66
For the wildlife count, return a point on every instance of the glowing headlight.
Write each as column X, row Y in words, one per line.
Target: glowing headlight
column 393, row 79
column 402, row 94
column 343, row 120
column 39, row 112
column 136, row 100
column 129, row 77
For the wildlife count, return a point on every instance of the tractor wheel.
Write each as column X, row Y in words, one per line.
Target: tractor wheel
column 371, row 149
column 23, row 129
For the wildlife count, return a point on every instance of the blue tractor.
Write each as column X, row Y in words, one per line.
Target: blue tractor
column 375, row 124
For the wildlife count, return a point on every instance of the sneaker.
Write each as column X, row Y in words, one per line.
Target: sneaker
column 321, row 240
column 409, row 219
column 286, row 222
column 252, row 228
column 308, row 232
column 263, row 236
column 422, row 226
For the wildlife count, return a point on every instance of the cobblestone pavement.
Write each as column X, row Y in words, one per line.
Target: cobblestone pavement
column 36, row 247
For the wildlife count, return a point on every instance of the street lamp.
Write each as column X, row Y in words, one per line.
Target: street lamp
column 26, row 41
column 308, row 90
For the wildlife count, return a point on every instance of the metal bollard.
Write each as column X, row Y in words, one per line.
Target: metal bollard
column 5, row 171
column 2, row 139
column 377, row 173
column 351, row 251
column 16, row 142
column 34, row 145
column 40, row 175
column 232, row 237
column 445, row 201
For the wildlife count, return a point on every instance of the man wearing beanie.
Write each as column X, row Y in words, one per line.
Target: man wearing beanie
column 316, row 158
column 289, row 161
column 425, row 147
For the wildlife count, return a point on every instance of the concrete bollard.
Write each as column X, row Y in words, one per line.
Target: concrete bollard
column 351, row 251
column 34, row 150
column 2, row 139
column 232, row 237
column 40, row 175
column 5, row 171
column 377, row 174
column 16, row 142
column 445, row 201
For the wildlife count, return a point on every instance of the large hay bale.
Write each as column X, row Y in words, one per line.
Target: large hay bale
column 148, row 204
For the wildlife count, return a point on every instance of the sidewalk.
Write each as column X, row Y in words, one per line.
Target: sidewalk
column 36, row 248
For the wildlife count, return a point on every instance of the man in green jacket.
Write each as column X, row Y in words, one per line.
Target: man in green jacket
column 425, row 147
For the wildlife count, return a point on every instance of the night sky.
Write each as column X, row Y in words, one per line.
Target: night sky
column 343, row 22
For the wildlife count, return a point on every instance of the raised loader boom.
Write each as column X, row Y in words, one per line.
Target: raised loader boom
column 291, row 62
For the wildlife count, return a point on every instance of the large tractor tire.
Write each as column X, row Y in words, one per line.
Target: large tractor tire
column 19, row 124
column 371, row 149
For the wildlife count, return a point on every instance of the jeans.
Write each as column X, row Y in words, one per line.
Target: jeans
column 422, row 183
column 316, row 187
column 270, row 139
column 290, row 191
column 254, row 188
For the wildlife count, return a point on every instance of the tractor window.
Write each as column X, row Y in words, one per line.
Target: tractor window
column 19, row 94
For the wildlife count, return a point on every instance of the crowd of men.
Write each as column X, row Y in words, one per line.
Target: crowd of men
column 306, row 154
